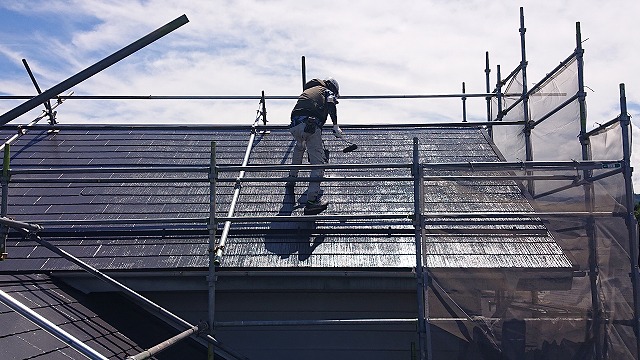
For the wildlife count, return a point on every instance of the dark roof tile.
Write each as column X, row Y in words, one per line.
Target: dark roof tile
column 21, row 339
column 468, row 244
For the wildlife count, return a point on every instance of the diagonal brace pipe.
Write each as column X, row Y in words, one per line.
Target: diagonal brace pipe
column 50, row 327
column 134, row 296
column 92, row 70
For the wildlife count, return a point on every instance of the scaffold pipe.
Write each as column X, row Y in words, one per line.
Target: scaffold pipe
column 244, row 323
column 165, row 344
column 92, row 70
column 234, row 200
column 50, row 327
column 632, row 224
column 134, row 296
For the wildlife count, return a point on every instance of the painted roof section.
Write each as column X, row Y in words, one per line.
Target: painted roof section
column 65, row 200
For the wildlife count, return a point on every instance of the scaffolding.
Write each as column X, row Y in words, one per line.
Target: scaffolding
column 589, row 189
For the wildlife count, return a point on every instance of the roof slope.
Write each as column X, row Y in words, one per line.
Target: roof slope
column 68, row 200
column 22, row 339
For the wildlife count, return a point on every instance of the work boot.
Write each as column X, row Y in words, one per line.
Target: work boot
column 314, row 207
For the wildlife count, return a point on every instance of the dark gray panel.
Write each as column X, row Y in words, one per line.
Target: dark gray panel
column 21, row 339
column 325, row 248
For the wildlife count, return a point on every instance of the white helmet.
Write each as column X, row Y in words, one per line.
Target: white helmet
column 334, row 83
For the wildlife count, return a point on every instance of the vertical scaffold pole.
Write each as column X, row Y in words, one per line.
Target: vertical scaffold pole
column 4, row 210
column 525, row 101
column 589, row 201
column 263, row 102
column 487, row 71
column 422, row 277
column 211, row 278
column 582, row 95
column 304, row 72
column 499, row 93
column 630, row 218
column 464, row 104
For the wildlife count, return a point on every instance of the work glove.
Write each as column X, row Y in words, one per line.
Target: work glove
column 337, row 132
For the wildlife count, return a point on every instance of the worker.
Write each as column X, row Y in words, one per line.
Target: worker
column 318, row 99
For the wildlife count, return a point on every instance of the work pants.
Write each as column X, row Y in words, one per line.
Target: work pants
column 312, row 143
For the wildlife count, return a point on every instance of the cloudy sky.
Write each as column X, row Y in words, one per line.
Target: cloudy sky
column 372, row 47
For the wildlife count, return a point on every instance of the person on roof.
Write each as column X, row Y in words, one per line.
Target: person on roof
column 317, row 101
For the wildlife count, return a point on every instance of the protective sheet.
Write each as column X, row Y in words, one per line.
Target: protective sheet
column 510, row 137
column 555, row 137
column 592, row 316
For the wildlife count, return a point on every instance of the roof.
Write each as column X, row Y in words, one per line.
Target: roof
column 60, row 305
column 66, row 202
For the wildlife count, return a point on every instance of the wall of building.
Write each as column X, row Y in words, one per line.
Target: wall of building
column 395, row 341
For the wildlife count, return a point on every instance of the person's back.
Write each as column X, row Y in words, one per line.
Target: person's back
column 315, row 101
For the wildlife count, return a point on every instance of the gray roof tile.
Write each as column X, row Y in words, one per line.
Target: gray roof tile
column 21, row 339
column 451, row 243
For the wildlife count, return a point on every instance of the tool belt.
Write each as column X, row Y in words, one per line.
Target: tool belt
column 311, row 123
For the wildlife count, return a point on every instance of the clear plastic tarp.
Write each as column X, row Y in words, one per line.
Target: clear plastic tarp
column 584, row 209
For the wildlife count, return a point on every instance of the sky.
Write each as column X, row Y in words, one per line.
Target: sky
column 372, row 47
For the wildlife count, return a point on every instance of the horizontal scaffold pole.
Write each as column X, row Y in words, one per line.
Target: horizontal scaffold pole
column 499, row 177
column 106, row 180
column 520, row 214
column 319, row 178
column 245, row 97
column 242, row 323
column 254, row 168
column 315, row 217
column 524, row 165
column 146, row 221
column 480, row 166
column 109, row 169
column 19, row 225
column 202, row 127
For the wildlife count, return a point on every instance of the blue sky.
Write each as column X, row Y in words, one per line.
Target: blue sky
column 372, row 47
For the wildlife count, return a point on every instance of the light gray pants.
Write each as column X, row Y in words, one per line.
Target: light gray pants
column 312, row 143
